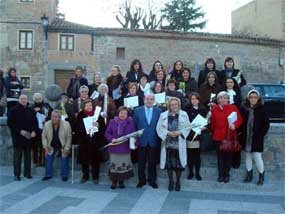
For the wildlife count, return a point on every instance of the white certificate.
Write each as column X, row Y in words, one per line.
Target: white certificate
column 94, row 95
column 41, row 119
column 88, row 124
column 198, row 123
column 212, row 97
column 160, row 97
column 232, row 118
column 131, row 102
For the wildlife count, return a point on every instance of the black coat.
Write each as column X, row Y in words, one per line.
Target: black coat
column 234, row 74
column 21, row 118
column 13, row 91
column 69, row 91
column 192, row 113
column 89, row 147
column 260, row 127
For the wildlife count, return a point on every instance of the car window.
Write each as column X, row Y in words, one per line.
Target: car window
column 274, row 91
column 259, row 89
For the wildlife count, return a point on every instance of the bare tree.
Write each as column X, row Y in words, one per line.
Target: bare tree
column 128, row 17
column 150, row 20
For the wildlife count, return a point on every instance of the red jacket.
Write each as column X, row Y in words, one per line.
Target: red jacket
column 219, row 121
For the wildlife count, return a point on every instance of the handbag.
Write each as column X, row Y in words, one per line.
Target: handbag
column 230, row 143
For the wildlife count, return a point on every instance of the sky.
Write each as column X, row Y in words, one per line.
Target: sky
column 101, row 13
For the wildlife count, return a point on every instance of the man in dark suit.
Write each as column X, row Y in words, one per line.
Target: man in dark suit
column 23, row 124
column 146, row 117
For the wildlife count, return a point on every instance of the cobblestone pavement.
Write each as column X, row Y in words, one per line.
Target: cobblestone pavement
column 55, row 196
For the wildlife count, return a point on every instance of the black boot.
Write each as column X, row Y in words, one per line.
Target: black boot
column 114, row 184
column 171, row 185
column 248, row 177
column 197, row 173
column 177, row 185
column 121, row 184
column 261, row 179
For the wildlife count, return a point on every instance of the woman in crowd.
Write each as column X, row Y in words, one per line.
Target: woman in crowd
column 187, row 84
column 173, row 130
column 158, row 88
column 209, row 88
column 254, row 129
column 89, row 145
column 231, row 86
column 75, row 83
column 133, row 91
column 171, row 92
column 134, row 74
column 3, row 98
column 83, row 95
column 160, row 76
column 114, row 82
column 210, row 66
column 93, row 88
column 120, row 162
column 13, row 88
column 176, row 73
column 144, row 85
column 105, row 102
column 221, row 128
column 193, row 142
column 43, row 112
column 230, row 71
column 157, row 66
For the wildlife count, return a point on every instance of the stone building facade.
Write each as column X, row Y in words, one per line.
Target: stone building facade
column 42, row 62
column 265, row 18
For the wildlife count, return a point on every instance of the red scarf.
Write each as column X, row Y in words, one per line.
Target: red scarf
column 89, row 113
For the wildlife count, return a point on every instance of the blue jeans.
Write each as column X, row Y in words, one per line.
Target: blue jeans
column 49, row 165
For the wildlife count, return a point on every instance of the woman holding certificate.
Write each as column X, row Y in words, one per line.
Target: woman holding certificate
column 90, row 143
column 120, row 162
column 173, row 128
column 105, row 102
column 225, row 120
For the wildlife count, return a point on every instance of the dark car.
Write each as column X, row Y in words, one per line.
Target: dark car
column 274, row 99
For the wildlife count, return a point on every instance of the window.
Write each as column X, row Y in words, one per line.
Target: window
column 26, row 81
column 66, row 42
column 120, row 53
column 25, row 40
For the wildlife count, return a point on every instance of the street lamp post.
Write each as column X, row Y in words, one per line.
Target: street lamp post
column 44, row 20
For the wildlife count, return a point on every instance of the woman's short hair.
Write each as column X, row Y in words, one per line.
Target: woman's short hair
column 223, row 94
column 83, row 87
column 37, row 95
column 131, row 84
column 117, row 67
column 103, row 85
column 174, row 99
column 86, row 102
column 122, row 108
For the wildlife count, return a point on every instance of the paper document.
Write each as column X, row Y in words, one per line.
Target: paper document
column 160, row 98
column 131, row 102
column 232, row 118
column 198, row 123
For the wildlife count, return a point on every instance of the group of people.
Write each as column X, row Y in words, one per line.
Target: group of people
column 168, row 136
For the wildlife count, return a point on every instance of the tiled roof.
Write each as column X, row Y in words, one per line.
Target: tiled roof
column 60, row 25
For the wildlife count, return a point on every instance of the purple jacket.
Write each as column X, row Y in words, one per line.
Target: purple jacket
column 116, row 129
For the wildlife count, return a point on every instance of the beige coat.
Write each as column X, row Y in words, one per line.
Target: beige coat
column 64, row 134
column 162, row 130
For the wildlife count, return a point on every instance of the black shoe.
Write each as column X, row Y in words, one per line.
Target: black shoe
column 153, row 185
column 96, row 181
column 227, row 179
column 64, row 179
column 190, row 176
column 28, row 176
column 198, row 177
column 141, row 184
column 122, row 185
column 114, row 185
column 171, row 185
column 260, row 179
column 220, row 179
column 177, row 186
column 83, row 180
column 17, row 178
column 46, row 178
column 248, row 177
